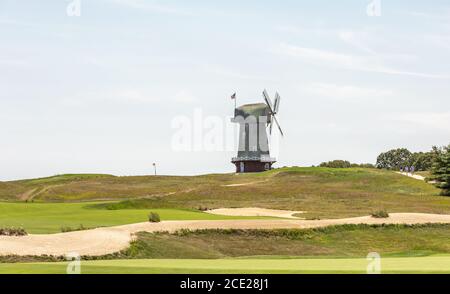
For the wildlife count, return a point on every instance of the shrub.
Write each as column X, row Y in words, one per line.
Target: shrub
column 363, row 165
column 336, row 164
column 70, row 229
column 380, row 214
column 12, row 232
column 153, row 217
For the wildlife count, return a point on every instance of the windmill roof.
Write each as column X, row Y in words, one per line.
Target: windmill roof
column 256, row 109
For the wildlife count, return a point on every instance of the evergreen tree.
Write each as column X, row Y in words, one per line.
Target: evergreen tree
column 441, row 169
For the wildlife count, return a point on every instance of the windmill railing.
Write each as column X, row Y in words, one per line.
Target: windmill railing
column 253, row 158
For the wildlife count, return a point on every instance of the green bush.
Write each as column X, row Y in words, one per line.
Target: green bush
column 153, row 217
column 380, row 214
column 70, row 229
column 336, row 164
column 12, row 232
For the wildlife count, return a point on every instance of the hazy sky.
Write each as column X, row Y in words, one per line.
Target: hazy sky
column 97, row 93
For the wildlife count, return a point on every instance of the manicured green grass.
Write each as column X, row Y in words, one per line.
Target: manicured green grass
column 429, row 264
column 336, row 241
column 321, row 192
column 40, row 218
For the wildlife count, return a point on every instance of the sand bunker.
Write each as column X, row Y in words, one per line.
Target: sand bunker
column 109, row 240
column 254, row 211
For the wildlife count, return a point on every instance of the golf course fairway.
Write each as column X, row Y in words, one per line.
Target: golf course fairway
column 429, row 264
column 48, row 218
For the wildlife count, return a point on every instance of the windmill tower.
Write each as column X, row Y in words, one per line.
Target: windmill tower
column 254, row 119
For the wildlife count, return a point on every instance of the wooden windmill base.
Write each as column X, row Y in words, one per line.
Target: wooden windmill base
column 252, row 166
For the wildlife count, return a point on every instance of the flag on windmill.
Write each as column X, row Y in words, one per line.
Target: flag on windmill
column 233, row 97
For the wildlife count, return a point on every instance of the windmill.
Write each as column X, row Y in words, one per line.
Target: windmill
column 254, row 120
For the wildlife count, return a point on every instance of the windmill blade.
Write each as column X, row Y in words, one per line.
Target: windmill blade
column 278, row 125
column 268, row 101
column 276, row 105
column 270, row 129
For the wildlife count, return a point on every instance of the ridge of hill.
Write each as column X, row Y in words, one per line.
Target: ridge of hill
column 321, row 192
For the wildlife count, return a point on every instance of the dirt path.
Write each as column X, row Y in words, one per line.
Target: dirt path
column 417, row 177
column 109, row 240
column 244, row 184
column 31, row 194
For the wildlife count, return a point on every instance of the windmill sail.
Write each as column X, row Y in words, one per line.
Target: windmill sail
column 276, row 105
column 273, row 109
column 268, row 101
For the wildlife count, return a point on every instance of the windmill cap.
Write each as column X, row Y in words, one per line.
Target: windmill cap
column 256, row 109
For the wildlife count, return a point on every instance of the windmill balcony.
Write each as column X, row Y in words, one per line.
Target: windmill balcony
column 254, row 158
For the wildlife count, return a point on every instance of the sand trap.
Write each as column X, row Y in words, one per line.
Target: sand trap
column 109, row 240
column 254, row 211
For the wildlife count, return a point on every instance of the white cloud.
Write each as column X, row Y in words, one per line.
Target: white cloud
column 127, row 96
column 153, row 6
column 442, row 41
column 348, row 93
column 14, row 62
column 431, row 120
column 354, row 39
column 372, row 63
column 225, row 72
column 184, row 96
column 445, row 15
column 133, row 96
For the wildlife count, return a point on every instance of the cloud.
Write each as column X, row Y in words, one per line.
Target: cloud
column 354, row 39
column 153, row 6
column 184, row 96
column 14, row 62
column 372, row 63
column 129, row 96
column 225, row 72
column 348, row 93
column 432, row 120
column 442, row 41
column 431, row 15
column 304, row 30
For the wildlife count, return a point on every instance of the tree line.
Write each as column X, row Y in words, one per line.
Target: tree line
column 437, row 161
column 345, row 164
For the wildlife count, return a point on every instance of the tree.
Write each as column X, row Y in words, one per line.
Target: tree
column 422, row 160
column 441, row 169
column 336, row 164
column 394, row 159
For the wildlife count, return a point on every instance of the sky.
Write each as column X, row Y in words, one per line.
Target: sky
column 103, row 88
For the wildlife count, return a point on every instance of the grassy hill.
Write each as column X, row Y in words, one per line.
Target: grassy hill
column 322, row 192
